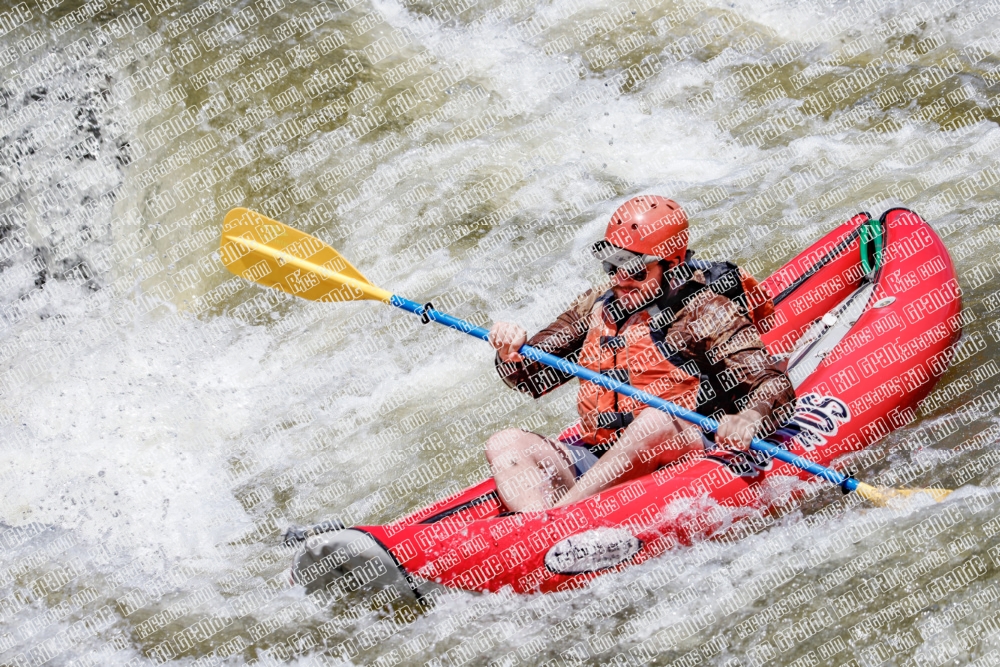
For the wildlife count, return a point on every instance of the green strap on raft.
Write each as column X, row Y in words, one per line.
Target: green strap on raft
column 871, row 241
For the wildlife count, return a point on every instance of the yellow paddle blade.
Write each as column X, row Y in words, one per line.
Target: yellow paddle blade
column 275, row 255
column 883, row 496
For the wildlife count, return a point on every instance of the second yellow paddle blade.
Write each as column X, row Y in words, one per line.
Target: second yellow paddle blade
column 269, row 253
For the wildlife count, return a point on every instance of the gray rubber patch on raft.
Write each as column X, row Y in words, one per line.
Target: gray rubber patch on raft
column 346, row 561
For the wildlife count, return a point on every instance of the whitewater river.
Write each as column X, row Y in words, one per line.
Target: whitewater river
column 162, row 421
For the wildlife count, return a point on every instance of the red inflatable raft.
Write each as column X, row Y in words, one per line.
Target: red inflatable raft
column 866, row 318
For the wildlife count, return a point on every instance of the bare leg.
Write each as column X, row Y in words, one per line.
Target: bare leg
column 652, row 441
column 530, row 471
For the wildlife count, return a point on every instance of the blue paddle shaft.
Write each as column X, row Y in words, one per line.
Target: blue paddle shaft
column 707, row 424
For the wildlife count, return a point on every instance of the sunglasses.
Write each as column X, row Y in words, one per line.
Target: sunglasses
column 634, row 270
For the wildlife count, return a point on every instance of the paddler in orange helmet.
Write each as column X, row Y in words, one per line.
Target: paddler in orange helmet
column 676, row 327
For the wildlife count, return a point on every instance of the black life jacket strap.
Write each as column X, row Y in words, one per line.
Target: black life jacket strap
column 724, row 279
column 614, row 421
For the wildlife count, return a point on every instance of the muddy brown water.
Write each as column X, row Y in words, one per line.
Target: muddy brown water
column 163, row 421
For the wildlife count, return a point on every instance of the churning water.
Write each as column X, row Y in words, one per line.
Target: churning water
column 162, row 421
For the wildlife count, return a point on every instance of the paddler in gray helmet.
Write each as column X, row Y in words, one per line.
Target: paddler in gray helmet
column 671, row 325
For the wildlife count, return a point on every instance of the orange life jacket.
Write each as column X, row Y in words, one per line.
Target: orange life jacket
column 644, row 353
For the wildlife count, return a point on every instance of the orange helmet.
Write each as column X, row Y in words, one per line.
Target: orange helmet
column 646, row 225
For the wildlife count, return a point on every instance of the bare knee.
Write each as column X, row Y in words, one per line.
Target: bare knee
column 507, row 446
